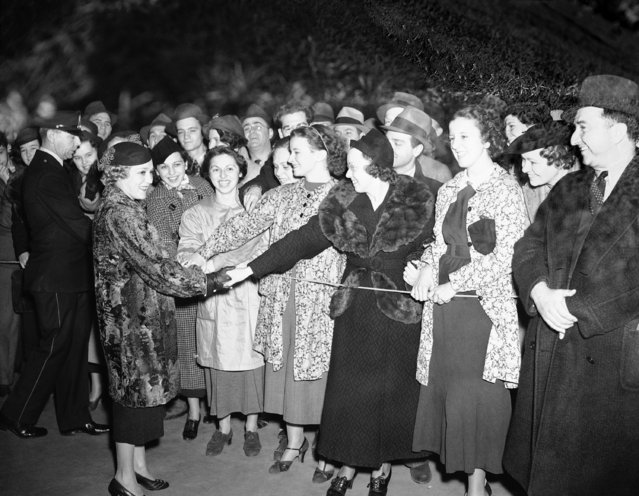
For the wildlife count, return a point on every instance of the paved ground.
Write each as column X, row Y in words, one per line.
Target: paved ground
column 83, row 465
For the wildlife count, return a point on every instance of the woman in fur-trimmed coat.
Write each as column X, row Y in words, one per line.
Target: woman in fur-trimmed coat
column 379, row 219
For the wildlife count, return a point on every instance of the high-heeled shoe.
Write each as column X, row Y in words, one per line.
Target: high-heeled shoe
column 320, row 476
column 117, row 489
column 283, row 466
column 339, row 485
column 151, row 484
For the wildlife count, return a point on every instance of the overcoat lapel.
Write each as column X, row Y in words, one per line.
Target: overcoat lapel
column 618, row 213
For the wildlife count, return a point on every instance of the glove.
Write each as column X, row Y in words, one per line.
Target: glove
column 215, row 280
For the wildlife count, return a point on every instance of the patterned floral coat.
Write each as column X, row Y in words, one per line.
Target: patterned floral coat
column 500, row 199
column 134, row 283
column 285, row 209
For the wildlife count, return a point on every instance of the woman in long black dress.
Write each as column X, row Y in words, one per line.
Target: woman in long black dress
column 378, row 219
column 469, row 350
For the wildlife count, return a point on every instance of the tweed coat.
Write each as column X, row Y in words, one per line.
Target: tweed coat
column 165, row 208
column 284, row 209
column 489, row 274
column 135, row 280
column 575, row 428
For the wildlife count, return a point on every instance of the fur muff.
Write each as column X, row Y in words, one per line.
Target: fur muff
column 343, row 297
column 396, row 306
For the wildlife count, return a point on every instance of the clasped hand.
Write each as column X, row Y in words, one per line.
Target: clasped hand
column 424, row 287
column 551, row 305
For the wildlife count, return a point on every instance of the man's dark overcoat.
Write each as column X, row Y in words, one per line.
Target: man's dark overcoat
column 575, row 429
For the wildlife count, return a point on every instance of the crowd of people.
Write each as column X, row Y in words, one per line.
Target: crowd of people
column 405, row 287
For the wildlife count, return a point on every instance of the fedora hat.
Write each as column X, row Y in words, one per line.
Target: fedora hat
column 610, row 92
column 97, row 107
column 160, row 120
column 376, row 146
column 414, row 122
column 400, row 99
column 322, row 113
column 351, row 117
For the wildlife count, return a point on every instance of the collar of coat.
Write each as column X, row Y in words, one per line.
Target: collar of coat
column 497, row 174
column 115, row 196
column 407, row 210
column 197, row 184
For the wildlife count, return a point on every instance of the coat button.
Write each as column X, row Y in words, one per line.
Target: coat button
column 470, row 244
column 590, row 360
column 470, row 208
column 533, row 345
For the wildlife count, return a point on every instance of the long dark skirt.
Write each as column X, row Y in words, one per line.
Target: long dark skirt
column 460, row 416
column 371, row 392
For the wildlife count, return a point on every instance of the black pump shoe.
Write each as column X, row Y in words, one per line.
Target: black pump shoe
column 151, row 484
column 379, row 485
column 117, row 489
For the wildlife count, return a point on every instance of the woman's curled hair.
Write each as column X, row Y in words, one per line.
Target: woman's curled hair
column 322, row 137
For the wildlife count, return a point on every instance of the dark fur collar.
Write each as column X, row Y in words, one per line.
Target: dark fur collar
column 407, row 210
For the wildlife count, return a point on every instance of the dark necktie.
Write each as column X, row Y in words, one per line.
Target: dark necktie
column 597, row 189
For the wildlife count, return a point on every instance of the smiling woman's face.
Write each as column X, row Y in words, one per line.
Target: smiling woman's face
column 172, row 171
column 137, row 183
column 224, row 173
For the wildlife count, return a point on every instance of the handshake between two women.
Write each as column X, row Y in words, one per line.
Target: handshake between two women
column 226, row 277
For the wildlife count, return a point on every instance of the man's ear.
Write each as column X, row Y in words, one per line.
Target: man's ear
column 418, row 150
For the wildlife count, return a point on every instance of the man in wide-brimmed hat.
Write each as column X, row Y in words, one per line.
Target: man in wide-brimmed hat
column 349, row 123
column 575, row 428
column 410, row 134
column 152, row 133
column 59, row 276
